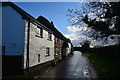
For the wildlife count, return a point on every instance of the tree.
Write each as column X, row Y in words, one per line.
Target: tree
column 85, row 44
column 102, row 18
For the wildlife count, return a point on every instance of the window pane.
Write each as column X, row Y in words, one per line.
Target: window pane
column 47, row 51
column 49, row 36
column 60, row 41
column 60, row 50
column 41, row 32
column 56, row 40
column 3, row 49
column 56, row 51
column 38, row 57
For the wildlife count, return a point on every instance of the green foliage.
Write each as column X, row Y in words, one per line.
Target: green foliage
column 103, row 19
column 85, row 44
column 108, row 51
column 106, row 66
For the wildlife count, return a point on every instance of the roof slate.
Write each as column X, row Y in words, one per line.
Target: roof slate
column 49, row 25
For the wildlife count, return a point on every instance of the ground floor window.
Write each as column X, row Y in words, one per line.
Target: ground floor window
column 3, row 50
column 56, row 51
column 60, row 50
column 47, row 51
column 38, row 57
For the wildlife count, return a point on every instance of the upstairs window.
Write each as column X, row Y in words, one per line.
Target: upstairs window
column 49, row 36
column 40, row 34
column 60, row 41
column 57, row 40
column 47, row 51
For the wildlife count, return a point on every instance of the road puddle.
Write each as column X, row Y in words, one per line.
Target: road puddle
column 86, row 73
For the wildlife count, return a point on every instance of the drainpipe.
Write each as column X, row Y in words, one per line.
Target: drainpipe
column 28, row 36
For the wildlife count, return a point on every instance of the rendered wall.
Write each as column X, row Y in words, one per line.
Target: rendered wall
column 13, row 29
column 37, row 46
column 69, row 49
column 13, row 33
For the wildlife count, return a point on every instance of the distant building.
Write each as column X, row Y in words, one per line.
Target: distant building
column 26, row 41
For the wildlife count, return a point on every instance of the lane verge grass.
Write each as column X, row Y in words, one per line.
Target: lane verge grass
column 107, row 67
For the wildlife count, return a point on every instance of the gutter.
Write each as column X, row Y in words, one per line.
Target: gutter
column 28, row 37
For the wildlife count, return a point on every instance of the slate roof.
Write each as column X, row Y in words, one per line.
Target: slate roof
column 49, row 25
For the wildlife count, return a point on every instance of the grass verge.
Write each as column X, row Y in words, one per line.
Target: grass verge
column 107, row 67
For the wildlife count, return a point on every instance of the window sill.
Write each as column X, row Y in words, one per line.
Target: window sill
column 56, row 55
column 47, row 55
column 49, row 40
column 38, row 36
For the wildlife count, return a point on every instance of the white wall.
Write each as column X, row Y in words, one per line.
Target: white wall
column 13, row 28
column 69, row 48
column 38, row 46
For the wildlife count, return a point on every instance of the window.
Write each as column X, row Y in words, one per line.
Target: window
column 3, row 50
column 49, row 36
column 47, row 51
column 40, row 34
column 60, row 41
column 38, row 57
column 60, row 50
column 56, row 40
column 56, row 51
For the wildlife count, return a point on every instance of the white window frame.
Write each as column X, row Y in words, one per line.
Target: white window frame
column 40, row 34
column 47, row 51
column 49, row 36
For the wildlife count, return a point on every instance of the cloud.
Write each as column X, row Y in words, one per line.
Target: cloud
column 76, row 41
column 67, row 36
column 76, row 38
column 70, row 35
column 75, row 34
column 73, row 28
column 76, row 28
